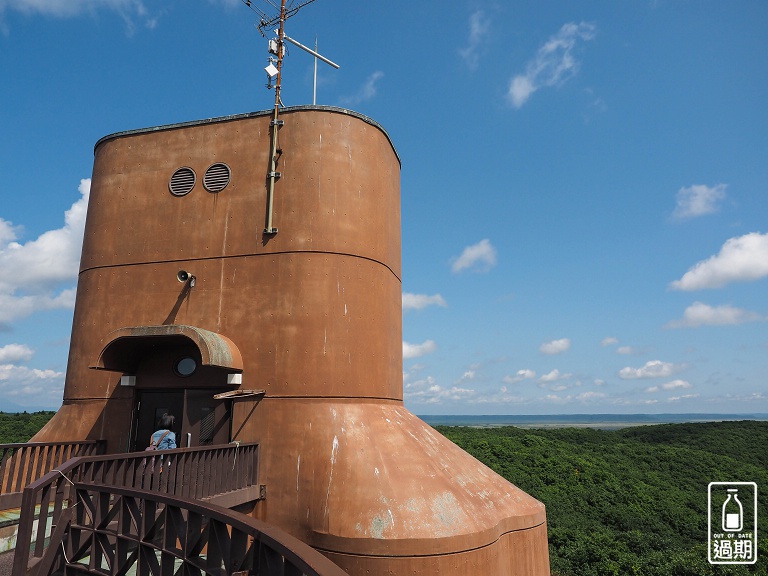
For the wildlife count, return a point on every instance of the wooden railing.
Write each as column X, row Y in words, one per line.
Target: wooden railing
column 226, row 475
column 198, row 473
column 114, row 531
column 22, row 464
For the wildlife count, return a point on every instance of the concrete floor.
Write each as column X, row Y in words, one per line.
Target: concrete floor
column 6, row 563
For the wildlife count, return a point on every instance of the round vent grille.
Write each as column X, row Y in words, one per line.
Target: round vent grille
column 216, row 177
column 182, row 181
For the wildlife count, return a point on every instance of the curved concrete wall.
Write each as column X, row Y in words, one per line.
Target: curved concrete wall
column 315, row 312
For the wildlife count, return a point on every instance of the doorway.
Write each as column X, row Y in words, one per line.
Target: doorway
column 200, row 420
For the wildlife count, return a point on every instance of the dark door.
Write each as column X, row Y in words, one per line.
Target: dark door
column 206, row 421
column 200, row 420
column 151, row 406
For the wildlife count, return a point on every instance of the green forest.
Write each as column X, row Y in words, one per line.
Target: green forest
column 20, row 427
column 629, row 502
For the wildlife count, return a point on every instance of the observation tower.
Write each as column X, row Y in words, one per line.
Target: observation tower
column 244, row 274
column 291, row 338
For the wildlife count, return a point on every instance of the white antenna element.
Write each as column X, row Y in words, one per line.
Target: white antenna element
column 315, row 54
column 271, row 70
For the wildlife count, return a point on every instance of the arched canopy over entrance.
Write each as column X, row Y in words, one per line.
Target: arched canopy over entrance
column 176, row 370
column 125, row 348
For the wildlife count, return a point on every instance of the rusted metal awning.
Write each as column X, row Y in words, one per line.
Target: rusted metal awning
column 124, row 348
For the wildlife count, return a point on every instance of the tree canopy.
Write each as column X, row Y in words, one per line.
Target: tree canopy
column 632, row 501
column 20, row 427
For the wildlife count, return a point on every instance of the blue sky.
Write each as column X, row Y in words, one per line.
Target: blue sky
column 585, row 224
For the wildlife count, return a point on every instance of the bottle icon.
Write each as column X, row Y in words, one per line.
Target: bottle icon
column 733, row 513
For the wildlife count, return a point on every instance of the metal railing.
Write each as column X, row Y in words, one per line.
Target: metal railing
column 226, row 474
column 22, row 464
column 111, row 531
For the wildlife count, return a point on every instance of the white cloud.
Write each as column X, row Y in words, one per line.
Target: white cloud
column 367, row 91
column 673, row 385
column 8, row 232
column 609, row 341
column 520, row 89
column 553, row 376
column 625, row 350
column 584, row 397
column 52, row 258
column 66, row 8
column 419, row 301
column 684, row 397
column 698, row 200
column 700, row 314
column 417, row 350
column 676, row 384
column 31, row 274
column 13, row 307
column 553, row 64
column 741, row 259
column 479, row 24
column 15, row 353
column 651, row 369
column 519, row 376
column 467, row 376
column 427, row 391
column 480, row 256
column 30, row 386
column 590, row 395
column 126, row 9
column 748, row 398
column 10, row 372
column 502, row 397
column 555, row 346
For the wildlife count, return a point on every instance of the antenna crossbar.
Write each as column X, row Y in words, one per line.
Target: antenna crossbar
column 313, row 52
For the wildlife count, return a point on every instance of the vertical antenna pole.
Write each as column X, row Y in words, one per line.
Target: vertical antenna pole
column 280, row 49
column 276, row 123
column 314, row 84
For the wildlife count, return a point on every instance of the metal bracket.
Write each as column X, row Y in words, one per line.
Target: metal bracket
column 270, row 230
column 262, row 491
column 277, row 123
column 274, row 174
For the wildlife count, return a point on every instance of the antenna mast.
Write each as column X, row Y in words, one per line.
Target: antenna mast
column 277, row 48
column 273, row 174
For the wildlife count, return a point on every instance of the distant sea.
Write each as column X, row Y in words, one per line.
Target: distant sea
column 599, row 421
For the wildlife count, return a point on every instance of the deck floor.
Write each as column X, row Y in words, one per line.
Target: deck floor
column 6, row 563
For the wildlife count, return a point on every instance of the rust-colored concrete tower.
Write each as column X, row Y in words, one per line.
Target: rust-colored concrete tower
column 182, row 296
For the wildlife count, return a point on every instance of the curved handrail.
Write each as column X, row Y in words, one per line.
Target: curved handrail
column 23, row 463
column 155, row 531
column 195, row 473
